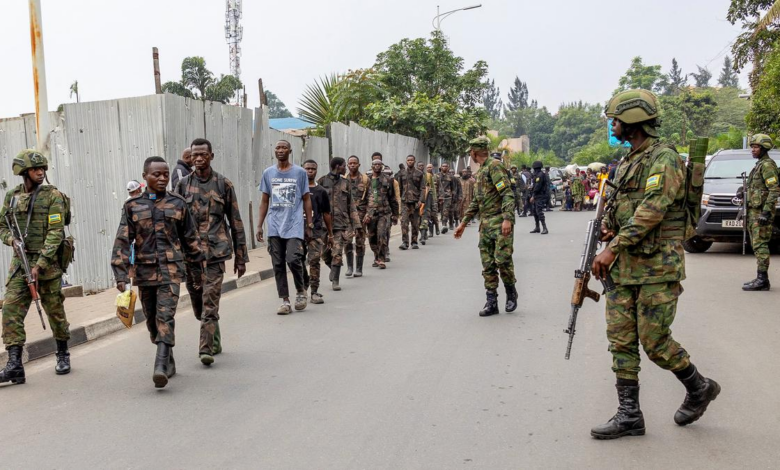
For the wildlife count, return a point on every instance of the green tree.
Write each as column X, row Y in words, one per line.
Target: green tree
column 702, row 78
column 761, row 30
column 574, row 126
column 492, row 100
column 276, row 108
column 765, row 102
column 177, row 89
column 728, row 76
column 319, row 103
column 74, row 90
column 517, row 98
column 675, row 80
column 198, row 82
column 699, row 107
column 731, row 111
column 639, row 75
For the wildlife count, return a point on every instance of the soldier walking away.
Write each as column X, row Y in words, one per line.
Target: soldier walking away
column 645, row 232
column 518, row 186
column 446, row 190
column 40, row 212
column 457, row 197
column 432, row 180
column 213, row 205
column 322, row 233
column 411, row 183
column 494, row 202
column 762, row 193
column 382, row 208
column 356, row 250
column 286, row 202
column 343, row 215
column 183, row 167
column 525, row 175
column 397, row 189
column 540, row 191
column 467, row 182
column 161, row 226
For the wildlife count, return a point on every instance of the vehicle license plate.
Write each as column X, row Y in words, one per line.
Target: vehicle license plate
column 732, row 223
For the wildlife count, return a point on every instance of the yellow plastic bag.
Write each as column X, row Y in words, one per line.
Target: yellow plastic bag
column 125, row 307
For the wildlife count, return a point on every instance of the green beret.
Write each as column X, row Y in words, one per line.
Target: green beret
column 480, row 143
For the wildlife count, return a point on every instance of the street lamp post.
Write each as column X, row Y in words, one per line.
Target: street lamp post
column 441, row 16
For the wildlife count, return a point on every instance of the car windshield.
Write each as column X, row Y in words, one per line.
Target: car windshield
column 730, row 166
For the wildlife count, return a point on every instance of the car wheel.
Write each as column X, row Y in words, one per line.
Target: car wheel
column 696, row 245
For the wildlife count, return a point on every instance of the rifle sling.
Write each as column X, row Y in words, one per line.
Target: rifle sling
column 30, row 211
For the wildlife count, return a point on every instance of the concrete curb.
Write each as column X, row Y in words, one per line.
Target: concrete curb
column 100, row 327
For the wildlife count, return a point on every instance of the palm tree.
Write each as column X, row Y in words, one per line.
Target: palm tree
column 319, row 104
column 772, row 15
column 74, row 88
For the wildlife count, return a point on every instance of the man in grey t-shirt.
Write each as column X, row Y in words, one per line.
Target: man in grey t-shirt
column 284, row 205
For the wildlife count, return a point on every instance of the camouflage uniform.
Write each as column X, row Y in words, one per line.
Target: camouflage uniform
column 344, row 216
column 359, row 187
column 162, row 228
column 382, row 205
column 446, row 191
column 411, row 183
column 214, row 209
column 457, row 199
column 44, row 236
column 649, row 222
column 468, row 193
column 577, row 192
column 762, row 194
column 494, row 202
column 430, row 217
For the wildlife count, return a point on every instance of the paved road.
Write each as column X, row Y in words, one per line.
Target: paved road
column 397, row 371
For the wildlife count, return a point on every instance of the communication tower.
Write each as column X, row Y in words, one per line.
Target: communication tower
column 233, row 34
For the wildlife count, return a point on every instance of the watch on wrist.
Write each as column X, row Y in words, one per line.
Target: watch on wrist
column 310, row 225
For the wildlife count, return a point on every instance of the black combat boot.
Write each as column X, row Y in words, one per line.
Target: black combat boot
column 544, row 228
column 160, row 376
column 63, row 358
column 171, row 366
column 350, row 263
column 759, row 283
column 404, row 246
column 491, row 306
column 14, row 370
column 359, row 266
column 700, row 391
column 335, row 272
column 444, row 228
column 536, row 230
column 511, row 298
column 628, row 421
column 436, row 226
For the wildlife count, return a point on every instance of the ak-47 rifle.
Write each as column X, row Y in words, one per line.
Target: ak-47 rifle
column 19, row 249
column 742, row 214
column 582, row 275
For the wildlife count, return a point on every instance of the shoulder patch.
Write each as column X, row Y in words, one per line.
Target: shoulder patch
column 55, row 219
column 653, row 182
column 500, row 185
column 772, row 180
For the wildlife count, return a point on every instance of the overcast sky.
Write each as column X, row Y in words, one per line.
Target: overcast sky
column 565, row 50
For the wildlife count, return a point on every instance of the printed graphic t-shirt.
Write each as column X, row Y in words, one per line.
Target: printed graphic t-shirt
column 285, row 191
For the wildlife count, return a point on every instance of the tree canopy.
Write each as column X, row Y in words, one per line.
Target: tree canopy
column 276, row 108
column 199, row 82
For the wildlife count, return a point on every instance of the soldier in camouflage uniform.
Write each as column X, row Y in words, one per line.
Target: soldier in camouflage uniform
column 577, row 191
column 213, row 205
column 382, row 208
column 165, row 237
column 494, row 202
column 432, row 181
column 457, row 198
column 446, row 191
column 343, row 215
column 322, row 232
column 411, row 183
column 359, row 184
column 43, row 232
column 645, row 232
column 762, row 193
column 467, row 182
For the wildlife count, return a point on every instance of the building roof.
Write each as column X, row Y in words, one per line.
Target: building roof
column 283, row 124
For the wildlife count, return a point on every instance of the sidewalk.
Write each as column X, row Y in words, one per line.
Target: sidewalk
column 94, row 316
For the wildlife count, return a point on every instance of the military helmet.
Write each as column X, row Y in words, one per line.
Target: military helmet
column 763, row 140
column 633, row 106
column 27, row 159
column 537, row 165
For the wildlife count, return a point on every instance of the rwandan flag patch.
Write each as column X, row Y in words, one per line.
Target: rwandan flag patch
column 771, row 180
column 55, row 219
column 500, row 185
column 653, row 182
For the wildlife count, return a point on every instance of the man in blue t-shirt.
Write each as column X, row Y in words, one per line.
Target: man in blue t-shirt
column 286, row 202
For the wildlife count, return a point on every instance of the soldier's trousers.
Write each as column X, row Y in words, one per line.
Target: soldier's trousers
column 17, row 304
column 159, row 305
column 519, row 200
column 389, row 227
column 358, row 246
column 315, row 248
column 495, row 251
column 287, row 252
column 455, row 213
column 527, row 206
column 334, row 255
column 377, row 235
column 446, row 208
column 205, row 303
column 410, row 214
column 430, row 213
column 759, row 238
column 643, row 314
column 537, row 208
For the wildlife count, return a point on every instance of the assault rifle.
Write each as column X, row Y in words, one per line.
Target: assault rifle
column 19, row 249
column 742, row 214
column 582, row 275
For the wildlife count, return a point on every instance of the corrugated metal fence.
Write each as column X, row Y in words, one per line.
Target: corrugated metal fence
column 97, row 147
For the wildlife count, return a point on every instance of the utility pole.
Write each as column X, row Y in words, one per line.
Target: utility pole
column 263, row 97
column 234, row 32
column 42, row 124
column 156, row 62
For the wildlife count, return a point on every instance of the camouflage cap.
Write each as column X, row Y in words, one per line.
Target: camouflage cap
column 763, row 140
column 29, row 158
column 480, row 143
